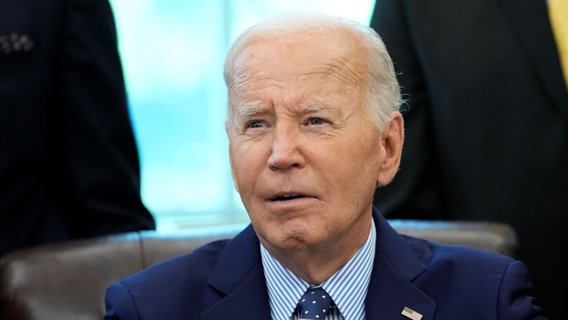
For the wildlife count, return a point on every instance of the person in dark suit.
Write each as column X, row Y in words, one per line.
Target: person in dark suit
column 69, row 167
column 313, row 127
column 486, row 124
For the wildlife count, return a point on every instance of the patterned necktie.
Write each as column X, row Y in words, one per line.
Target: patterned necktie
column 558, row 12
column 314, row 304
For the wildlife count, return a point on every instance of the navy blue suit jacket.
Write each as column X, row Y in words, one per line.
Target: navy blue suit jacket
column 225, row 280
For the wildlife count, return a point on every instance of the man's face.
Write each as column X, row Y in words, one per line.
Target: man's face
column 304, row 154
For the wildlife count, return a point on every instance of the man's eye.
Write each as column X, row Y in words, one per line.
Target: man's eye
column 316, row 121
column 255, row 124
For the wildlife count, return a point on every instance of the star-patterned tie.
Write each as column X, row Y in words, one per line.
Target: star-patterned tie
column 314, row 304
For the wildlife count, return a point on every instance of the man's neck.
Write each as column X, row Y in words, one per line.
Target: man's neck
column 317, row 264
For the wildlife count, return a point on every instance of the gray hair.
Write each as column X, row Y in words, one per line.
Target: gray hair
column 383, row 96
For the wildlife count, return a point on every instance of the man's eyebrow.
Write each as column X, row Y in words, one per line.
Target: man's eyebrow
column 319, row 108
column 250, row 111
column 315, row 108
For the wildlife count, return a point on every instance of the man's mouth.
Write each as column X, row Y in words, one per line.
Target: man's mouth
column 287, row 197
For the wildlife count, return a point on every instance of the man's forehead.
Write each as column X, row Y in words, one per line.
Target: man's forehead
column 298, row 61
column 321, row 44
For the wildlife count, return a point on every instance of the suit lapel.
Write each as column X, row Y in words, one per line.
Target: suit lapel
column 391, row 288
column 237, row 285
column 529, row 20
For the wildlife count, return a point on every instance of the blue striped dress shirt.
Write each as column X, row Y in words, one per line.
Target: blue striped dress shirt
column 347, row 287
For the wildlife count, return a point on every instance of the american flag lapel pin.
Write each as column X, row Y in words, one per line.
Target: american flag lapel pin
column 411, row 314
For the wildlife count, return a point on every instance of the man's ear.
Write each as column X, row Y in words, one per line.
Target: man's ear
column 392, row 139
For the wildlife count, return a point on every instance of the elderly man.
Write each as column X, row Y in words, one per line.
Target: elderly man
column 314, row 127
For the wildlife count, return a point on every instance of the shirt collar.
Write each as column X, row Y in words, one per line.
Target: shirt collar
column 347, row 287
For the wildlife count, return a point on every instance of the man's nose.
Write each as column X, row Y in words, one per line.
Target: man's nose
column 286, row 149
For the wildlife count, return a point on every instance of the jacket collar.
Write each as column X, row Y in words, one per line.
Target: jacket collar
column 395, row 268
column 239, row 285
column 238, row 281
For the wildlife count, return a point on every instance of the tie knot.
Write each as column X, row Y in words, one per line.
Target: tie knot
column 314, row 304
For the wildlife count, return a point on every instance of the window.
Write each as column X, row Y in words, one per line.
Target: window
column 172, row 54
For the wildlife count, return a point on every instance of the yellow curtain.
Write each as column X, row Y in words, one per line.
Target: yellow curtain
column 558, row 12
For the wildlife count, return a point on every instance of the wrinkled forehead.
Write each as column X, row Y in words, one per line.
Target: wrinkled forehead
column 332, row 53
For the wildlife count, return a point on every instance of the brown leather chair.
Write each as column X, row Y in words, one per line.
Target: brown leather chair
column 68, row 280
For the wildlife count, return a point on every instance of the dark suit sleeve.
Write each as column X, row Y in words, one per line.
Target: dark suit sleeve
column 415, row 190
column 100, row 162
column 119, row 303
column 516, row 297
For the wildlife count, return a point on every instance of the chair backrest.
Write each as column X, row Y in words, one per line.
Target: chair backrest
column 68, row 280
